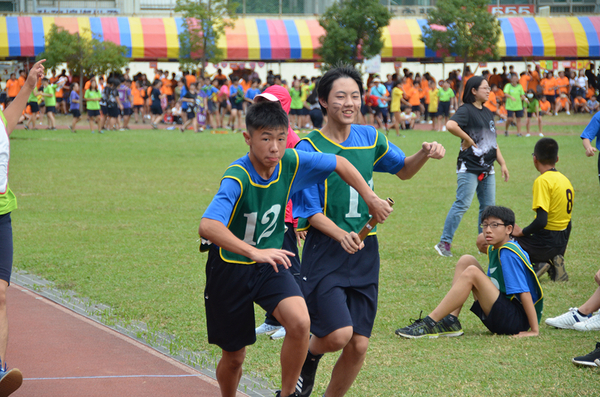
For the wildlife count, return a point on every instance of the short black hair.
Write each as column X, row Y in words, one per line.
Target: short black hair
column 266, row 115
column 506, row 215
column 546, row 151
column 473, row 83
column 341, row 71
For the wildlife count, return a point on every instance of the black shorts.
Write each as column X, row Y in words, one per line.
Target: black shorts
column 545, row 245
column 138, row 107
column 229, row 297
column 517, row 113
column 340, row 289
column 434, row 114
column 384, row 113
column 551, row 98
column 444, row 109
column 364, row 109
column 416, row 108
column 10, row 99
column 93, row 113
column 238, row 106
column 295, row 112
column 190, row 114
column 224, row 104
column 156, row 110
column 6, row 247
column 34, row 107
column 212, row 107
column 76, row 113
column 59, row 100
column 127, row 112
column 507, row 317
column 50, row 109
column 316, row 118
column 113, row 112
column 305, row 112
column 170, row 98
column 104, row 110
column 530, row 115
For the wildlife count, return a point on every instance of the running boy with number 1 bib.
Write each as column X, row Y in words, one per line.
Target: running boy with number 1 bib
column 245, row 223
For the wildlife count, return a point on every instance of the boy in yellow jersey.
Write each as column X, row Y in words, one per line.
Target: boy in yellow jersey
column 546, row 238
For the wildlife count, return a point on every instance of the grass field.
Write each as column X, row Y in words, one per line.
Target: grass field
column 114, row 217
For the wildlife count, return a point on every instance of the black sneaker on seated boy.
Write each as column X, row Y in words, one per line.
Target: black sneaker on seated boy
column 508, row 300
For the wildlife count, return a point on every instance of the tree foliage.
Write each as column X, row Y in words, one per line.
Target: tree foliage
column 205, row 23
column 353, row 31
column 471, row 32
column 85, row 55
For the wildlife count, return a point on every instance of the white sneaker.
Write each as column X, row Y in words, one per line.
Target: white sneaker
column 430, row 122
column 527, row 135
column 592, row 324
column 568, row 112
column 444, row 128
column 279, row 334
column 540, row 134
column 567, row 320
column 267, row 329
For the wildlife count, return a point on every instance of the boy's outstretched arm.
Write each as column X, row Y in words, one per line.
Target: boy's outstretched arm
column 16, row 107
column 527, row 303
column 412, row 164
column 378, row 208
column 218, row 233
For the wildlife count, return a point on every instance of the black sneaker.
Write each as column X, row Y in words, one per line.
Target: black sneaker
column 278, row 394
column 541, row 268
column 590, row 358
column 306, row 381
column 10, row 380
column 426, row 327
column 558, row 265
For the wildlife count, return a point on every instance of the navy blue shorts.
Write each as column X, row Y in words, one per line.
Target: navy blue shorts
column 236, row 105
column 113, row 112
column 513, row 113
column 127, row 112
column 50, row 109
column 93, row 113
column 76, row 113
column 59, row 100
column 104, row 110
column 340, row 289
column 444, row 109
column 229, row 297
column 6, row 247
column 295, row 112
column 507, row 317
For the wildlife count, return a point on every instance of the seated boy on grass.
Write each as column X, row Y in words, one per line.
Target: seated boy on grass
column 245, row 223
column 545, row 239
column 508, row 300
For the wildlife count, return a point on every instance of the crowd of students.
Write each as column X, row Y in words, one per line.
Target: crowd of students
column 219, row 101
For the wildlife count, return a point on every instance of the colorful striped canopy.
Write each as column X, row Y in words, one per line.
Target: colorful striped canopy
column 286, row 39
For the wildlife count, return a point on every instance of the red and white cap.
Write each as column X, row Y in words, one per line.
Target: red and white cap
column 265, row 96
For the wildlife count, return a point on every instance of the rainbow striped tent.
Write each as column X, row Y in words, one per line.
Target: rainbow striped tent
column 296, row 40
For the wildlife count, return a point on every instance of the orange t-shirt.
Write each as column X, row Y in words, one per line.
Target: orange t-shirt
column 137, row 95
column 499, row 94
column 563, row 81
column 413, row 96
column 166, row 88
column 563, row 101
column 545, row 106
column 190, row 78
column 534, row 81
column 524, row 81
column 580, row 101
column 12, row 88
column 590, row 93
column 491, row 102
column 21, row 81
column 548, row 85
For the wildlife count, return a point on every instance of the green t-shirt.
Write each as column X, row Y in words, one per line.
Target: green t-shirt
column 532, row 106
column 8, row 201
column 33, row 96
column 516, row 92
column 445, row 95
column 50, row 100
column 92, row 105
column 296, row 99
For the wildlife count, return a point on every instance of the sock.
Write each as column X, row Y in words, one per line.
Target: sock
column 582, row 315
column 450, row 319
column 430, row 322
column 313, row 357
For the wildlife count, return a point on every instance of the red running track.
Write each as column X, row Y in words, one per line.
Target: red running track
column 61, row 353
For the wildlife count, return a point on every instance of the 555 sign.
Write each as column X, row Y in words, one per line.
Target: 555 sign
column 513, row 9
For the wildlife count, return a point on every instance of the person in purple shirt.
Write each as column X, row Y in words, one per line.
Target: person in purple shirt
column 126, row 99
column 75, row 106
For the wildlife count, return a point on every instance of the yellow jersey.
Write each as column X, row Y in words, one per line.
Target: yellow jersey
column 553, row 193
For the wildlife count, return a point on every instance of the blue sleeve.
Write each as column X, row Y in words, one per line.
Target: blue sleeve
column 514, row 272
column 309, row 201
column 593, row 130
column 232, row 91
column 313, row 168
column 392, row 161
column 221, row 206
